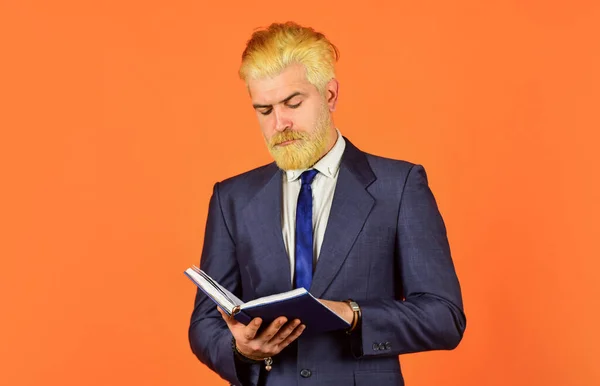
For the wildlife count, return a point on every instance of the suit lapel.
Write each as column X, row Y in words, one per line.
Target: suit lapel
column 349, row 210
column 262, row 216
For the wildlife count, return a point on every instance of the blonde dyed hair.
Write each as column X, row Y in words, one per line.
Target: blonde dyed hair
column 269, row 51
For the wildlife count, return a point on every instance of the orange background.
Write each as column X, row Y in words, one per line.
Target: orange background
column 118, row 118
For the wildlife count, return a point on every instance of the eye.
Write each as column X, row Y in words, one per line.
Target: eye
column 295, row 106
column 266, row 112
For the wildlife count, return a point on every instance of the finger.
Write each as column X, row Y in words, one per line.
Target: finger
column 223, row 313
column 230, row 320
column 285, row 331
column 292, row 337
column 252, row 328
column 268, row 334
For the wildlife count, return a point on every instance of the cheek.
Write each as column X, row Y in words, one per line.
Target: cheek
column 308, row 117
column 306, row 121
column 266, row 126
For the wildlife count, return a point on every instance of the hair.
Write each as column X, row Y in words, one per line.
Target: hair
column 270, row 51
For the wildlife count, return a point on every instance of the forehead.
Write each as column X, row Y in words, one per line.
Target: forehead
column 271, row 90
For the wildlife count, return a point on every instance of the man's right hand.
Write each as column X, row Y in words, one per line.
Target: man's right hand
column 269, row 342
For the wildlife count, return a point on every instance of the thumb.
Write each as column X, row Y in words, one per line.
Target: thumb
column 230, row 320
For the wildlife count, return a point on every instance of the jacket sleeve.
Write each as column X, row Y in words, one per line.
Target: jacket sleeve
column 430, row 314
column 209, row 337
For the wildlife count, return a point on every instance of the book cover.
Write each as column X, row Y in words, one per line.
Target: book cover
column 294, row 304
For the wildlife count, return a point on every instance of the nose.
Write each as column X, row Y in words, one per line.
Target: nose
column 282, row 120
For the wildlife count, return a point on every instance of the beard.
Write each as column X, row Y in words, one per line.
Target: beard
column 309, row 147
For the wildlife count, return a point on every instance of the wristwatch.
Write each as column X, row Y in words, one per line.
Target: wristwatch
column 356, row 309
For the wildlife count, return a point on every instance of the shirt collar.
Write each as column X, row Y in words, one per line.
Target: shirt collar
column 329, row 165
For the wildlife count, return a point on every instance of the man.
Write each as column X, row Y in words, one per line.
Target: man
column 361, row 232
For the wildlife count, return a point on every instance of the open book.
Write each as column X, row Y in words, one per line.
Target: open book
column 294, row 304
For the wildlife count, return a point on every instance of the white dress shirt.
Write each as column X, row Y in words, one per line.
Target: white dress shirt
column 323, row 187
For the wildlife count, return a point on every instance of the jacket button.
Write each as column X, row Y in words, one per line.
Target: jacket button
column 375, row 347
column 305, row 373
column 381, row 346
column 388, row 346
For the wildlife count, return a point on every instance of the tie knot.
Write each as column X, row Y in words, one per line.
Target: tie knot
column 308, row 176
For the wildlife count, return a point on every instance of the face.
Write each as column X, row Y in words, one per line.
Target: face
column 295, row 118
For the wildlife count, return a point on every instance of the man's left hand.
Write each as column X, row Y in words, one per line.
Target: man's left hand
column 341, row 308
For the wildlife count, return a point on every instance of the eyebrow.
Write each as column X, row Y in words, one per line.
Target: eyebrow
column 258, row 106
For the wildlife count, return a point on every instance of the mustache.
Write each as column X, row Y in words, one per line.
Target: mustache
column 285, row 136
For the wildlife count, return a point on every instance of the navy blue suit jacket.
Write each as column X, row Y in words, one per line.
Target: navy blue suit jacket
column 385, row 246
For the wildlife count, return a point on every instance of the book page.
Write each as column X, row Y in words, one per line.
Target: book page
column 232, row 298
column 211, row 290
column 274, row 298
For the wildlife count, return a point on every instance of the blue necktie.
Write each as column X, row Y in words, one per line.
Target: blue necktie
column 304, row 232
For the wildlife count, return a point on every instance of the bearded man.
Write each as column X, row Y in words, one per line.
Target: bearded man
column 362, row 233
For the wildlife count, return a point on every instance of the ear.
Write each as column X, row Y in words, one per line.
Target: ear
column 331, row 92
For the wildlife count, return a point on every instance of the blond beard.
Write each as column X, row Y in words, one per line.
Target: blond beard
column 308, row 148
